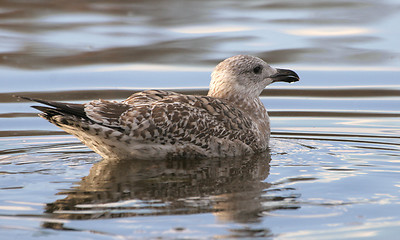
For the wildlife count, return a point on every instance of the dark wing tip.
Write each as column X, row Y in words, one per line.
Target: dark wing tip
column 36, row 100
column 59, row 107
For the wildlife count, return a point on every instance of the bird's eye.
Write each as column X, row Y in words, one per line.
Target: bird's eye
column 257, row 70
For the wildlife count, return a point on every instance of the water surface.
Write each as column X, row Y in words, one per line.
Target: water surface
column 334, row 163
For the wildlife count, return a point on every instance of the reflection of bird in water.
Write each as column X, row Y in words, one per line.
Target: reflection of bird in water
column 229, row 121
column 233, row 189
column 124, row 188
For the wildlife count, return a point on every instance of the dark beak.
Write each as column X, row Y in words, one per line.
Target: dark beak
column 285, row 75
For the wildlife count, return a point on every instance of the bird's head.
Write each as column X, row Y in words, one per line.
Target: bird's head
column 247, row 76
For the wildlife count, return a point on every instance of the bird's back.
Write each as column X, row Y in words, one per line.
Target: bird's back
column 162, row 124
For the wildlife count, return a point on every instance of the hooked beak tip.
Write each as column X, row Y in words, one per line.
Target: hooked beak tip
column 285, row 75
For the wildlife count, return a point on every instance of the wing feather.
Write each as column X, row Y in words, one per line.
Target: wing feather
column 181, row 118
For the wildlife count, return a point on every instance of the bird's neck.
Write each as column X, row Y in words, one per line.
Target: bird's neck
column 250, row 105
column 231, row 90
column 246, row 99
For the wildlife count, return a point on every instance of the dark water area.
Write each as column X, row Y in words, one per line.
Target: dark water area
column 333, row 169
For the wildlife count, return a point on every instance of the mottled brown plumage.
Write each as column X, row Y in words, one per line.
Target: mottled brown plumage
column 230, row 121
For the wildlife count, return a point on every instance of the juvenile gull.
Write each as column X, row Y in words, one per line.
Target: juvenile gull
column 230, row 121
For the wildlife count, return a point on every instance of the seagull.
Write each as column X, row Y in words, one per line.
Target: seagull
column 155, row 124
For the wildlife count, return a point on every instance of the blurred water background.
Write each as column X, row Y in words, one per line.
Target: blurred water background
column 333, row 171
